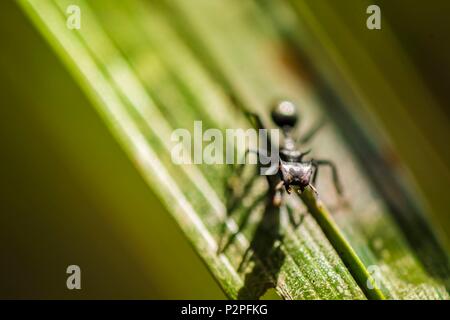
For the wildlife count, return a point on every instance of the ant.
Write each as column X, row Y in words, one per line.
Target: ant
column 294, row 172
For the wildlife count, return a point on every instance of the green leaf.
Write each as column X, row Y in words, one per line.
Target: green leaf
column 150, row 67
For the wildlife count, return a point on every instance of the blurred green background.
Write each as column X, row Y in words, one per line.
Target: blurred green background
column 66, row 184
column 63, row 187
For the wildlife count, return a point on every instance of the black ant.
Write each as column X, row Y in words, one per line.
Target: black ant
column 294, row 173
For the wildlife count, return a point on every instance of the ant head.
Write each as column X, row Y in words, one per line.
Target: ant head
column 284, row 114
column 296, row 175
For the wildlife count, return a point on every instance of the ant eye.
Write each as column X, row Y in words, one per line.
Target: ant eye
column 284, row 114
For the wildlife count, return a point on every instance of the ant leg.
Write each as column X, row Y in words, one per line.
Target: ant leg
column 255, row 119
column 336, row 179
column 312, row 132
column 313, row 189
column 257, row 123
column 316, row 172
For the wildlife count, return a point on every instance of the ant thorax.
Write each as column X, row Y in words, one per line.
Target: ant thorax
column 289, row 151
column 290, row 155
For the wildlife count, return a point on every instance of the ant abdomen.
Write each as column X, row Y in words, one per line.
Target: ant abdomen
column 284, row 114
